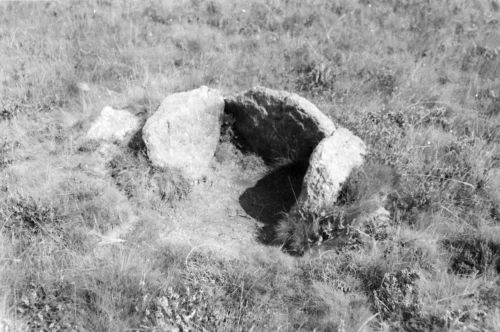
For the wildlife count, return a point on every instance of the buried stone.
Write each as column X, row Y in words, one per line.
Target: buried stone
column 113, row 125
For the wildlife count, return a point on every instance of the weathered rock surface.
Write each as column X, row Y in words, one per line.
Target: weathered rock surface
column 330, row 165
column 183, row 133
column 278, row 124
column 113, row 125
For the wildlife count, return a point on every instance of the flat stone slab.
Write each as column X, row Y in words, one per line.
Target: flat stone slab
column 278, row 125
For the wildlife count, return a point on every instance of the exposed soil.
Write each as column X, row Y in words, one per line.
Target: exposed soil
column 236, row 207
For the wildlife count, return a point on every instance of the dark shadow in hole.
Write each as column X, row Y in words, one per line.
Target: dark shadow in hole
column 272, row 196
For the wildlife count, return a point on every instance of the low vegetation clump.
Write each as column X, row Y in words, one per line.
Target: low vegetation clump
column 473, row 254
column 398, row 297
column 358, row 217
column 410, row 245
column 144, row 183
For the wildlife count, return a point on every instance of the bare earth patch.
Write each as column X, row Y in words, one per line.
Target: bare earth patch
column 223, row 212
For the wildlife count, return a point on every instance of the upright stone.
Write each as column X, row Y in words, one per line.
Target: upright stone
column 183, row 133
column 330, row 165
column 278, row 124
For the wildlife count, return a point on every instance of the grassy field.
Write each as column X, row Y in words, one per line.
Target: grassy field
column 418, row 81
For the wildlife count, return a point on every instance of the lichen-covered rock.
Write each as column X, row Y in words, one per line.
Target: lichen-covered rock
column 330, row 165
column 113, row 125
column 183, row 133
column 278, row 124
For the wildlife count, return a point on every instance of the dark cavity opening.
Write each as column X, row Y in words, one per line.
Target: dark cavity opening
column 271, row 197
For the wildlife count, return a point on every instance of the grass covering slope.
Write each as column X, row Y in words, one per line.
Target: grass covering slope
column 418, row 81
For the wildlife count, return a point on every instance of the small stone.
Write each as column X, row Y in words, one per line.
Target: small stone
column 83, row 86
column 113, row 125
